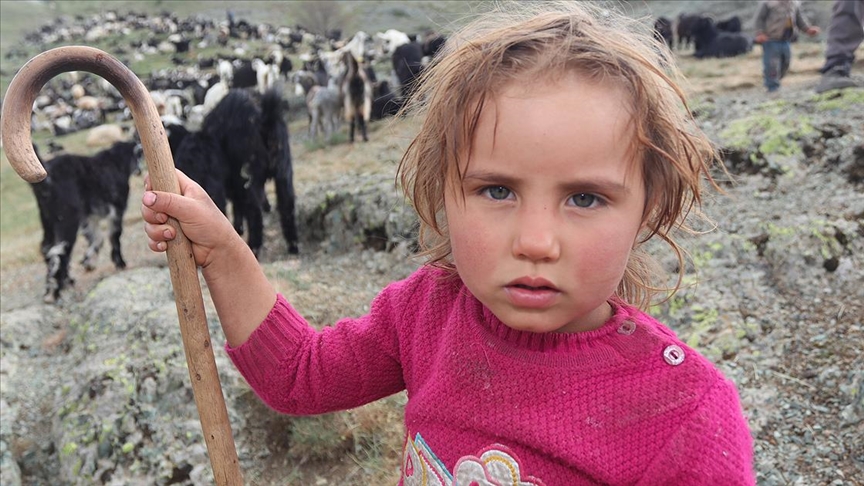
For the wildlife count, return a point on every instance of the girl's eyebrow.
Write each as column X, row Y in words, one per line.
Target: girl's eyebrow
column 598, row 185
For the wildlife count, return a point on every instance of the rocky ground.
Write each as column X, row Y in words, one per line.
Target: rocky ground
column 95, row 389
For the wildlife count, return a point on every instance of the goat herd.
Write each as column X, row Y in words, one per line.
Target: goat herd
column 709, row 38
column 225, row 116
column 225, row 119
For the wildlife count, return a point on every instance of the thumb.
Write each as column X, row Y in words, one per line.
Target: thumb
column 174, row 205
column 164, row 202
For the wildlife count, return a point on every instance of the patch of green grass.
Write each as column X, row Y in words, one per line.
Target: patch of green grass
column 702, row 106
column 703, row 321
column 844, row 99
column 771, row 134
column 20, row 229
column 320, row 437
column 336, row 138
column 282, row 274
column 398, row 12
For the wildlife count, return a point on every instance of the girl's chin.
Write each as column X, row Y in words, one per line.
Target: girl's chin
column 539, row 323
column 541, row 327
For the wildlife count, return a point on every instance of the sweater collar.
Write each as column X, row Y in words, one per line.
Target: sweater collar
column 626, row 337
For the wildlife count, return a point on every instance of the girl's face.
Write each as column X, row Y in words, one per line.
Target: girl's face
column 553, row 204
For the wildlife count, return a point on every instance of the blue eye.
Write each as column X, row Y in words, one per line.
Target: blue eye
column 499, row 193
column 584, row 200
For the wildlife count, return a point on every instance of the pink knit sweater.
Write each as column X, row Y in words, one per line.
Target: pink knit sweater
column 624, row 404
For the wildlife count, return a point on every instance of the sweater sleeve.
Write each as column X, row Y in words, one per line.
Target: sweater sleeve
column 298, row 370
column 801, row 21
column 712, row 446
column 761, row 18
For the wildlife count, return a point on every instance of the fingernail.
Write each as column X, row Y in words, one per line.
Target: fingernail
column 167, row 234
column 149, row 198
column 161, row 246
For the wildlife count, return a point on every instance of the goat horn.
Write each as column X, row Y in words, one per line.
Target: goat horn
column 17, row 108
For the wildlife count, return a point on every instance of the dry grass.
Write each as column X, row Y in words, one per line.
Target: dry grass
column 712, row 76
column 317, row 162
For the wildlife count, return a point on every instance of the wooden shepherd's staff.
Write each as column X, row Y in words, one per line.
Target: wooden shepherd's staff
column 17, row 109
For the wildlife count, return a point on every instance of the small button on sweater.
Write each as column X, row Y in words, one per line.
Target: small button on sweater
column 627, row 403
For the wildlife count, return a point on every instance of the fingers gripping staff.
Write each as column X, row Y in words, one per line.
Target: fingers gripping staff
column 17, row 108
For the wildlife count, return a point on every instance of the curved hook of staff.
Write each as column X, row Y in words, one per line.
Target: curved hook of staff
column 17, row 142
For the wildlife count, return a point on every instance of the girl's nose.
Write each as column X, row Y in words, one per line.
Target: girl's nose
column 536, row 238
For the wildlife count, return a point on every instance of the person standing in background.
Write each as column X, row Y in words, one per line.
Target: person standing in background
column 845, row 33
column 776, row 24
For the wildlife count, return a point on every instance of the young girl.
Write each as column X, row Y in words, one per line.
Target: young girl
column 554, row 145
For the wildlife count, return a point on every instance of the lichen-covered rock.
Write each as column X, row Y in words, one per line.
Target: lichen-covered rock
column 127, row 412
column 9, row 470
column 356, row 213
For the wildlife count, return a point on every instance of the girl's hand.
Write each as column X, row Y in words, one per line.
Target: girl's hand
column 201, row 221
column 812, row 31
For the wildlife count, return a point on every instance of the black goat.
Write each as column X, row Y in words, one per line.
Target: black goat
column 663, row 31
column 711, row 42
column 732, row 24
column 234, row 125
column 384, row 101
column 78, row 192
column 199, row 156
column 175, row 134
column 433, row 44
column 241, row 146
column 684, row 29
column 274, row 132
column 407, row 64
column 244, row 75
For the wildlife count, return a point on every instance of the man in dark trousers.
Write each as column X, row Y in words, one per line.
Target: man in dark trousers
column 845, row 33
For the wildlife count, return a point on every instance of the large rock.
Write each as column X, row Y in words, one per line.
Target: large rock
column 127, row 413
column 351, row 214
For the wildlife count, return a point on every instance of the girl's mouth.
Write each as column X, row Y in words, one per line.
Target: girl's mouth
column 533, row 283
column 531, row 293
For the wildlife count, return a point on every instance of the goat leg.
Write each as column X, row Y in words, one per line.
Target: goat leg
column 90, row 229
column 285, row 199
column 115, row 231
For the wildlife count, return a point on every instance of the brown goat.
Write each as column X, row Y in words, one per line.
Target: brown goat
column 357, row 95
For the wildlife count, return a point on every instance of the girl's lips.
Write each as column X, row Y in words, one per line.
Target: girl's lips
column 532, row 282
column 531, row 293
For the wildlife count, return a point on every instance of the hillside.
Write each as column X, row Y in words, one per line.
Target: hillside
column 94, row 389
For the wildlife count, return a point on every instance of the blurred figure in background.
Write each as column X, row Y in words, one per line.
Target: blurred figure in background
column 777, row 22
column 845, row 33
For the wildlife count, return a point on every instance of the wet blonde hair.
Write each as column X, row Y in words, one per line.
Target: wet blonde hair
column 543, row 42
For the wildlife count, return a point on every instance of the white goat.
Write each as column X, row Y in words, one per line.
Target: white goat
column 266, row 74
column 356, row 46
column 105, row 135
column 214, row 95
column 226, row 71
column 325, row 110
column 391, row 39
